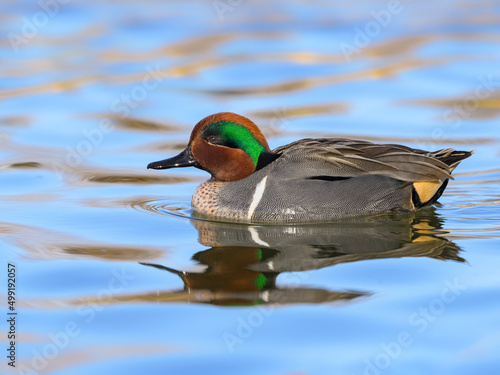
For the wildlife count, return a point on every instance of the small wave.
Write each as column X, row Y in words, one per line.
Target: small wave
column 178, row 208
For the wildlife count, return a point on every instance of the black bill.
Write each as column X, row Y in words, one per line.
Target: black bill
column 184, row 159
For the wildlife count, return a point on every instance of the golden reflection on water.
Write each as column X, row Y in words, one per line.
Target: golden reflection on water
column 289, row 112
column 27, row 165
column 272, row 63
column 14, row 121
column 258, row 62
column 137, row 124
column 94, row 175
column 40, row 243
column 482, row 108
column 202, row 52
column 137, row 179
column 71, row 358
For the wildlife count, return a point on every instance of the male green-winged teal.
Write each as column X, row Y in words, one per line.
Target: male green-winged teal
column 317, row 179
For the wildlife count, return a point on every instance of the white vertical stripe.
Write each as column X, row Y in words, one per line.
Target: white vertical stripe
column 265, row 296
column 256, row 238
column 257, row 196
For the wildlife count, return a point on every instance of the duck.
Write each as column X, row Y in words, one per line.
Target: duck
column 309, row 180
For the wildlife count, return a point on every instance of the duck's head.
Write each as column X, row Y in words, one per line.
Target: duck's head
column 228, row 146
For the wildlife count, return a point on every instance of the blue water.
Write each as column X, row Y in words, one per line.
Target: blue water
column 113, row 275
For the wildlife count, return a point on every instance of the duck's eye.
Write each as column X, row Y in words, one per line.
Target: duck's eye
column 212, row 139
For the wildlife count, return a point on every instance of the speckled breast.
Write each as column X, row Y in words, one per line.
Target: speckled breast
column 209, row 200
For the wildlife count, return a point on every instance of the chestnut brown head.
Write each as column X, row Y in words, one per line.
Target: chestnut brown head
column 228, row 146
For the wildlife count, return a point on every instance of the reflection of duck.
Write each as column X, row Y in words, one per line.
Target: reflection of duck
column 307, row 180
column 244, row 261
column 230, row 280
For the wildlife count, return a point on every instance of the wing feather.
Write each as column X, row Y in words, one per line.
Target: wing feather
column 352, row 158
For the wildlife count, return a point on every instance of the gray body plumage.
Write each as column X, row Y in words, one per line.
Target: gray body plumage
column 328, row 179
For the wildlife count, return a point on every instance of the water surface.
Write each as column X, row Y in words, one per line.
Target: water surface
column 113, row 273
